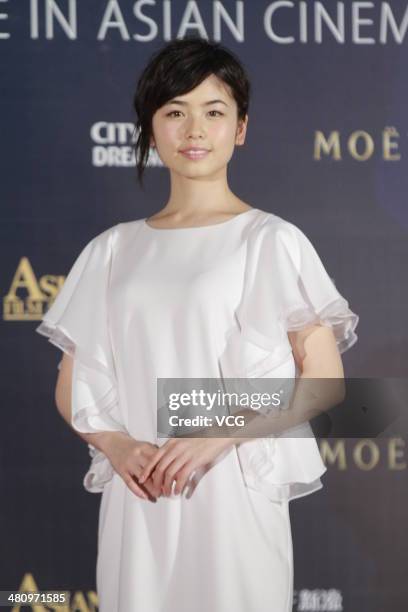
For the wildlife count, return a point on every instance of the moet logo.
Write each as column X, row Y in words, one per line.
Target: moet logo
column 30, row 305
column 360, row 145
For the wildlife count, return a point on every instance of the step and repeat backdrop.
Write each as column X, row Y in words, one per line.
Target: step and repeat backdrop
column 326, row 148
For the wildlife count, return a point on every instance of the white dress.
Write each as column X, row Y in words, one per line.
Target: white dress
column 212, row 301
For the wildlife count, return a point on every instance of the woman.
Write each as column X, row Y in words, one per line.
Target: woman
column 207, row 287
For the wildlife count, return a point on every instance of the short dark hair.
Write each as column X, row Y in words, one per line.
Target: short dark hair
column 175, row 69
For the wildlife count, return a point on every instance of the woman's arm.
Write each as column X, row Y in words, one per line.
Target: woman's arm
column 127, row 455
column 63, row 401
column 315, row 352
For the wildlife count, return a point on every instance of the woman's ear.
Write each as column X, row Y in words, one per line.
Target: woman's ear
column 241, row 130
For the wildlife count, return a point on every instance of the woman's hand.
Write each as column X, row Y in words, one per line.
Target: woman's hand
column 128, row 457
column 177, row 459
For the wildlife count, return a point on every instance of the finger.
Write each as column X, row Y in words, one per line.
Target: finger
column 133, row 486
column 152, row 488
column 149, row 488
column 159, row 473
column 158, row 456
column 171, row 473
column 183, row 477
column 145, row 473
column 151, row 465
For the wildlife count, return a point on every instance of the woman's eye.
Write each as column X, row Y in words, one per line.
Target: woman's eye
column 171, row 113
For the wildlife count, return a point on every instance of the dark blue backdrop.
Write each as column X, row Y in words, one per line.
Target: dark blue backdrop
column 66, row 125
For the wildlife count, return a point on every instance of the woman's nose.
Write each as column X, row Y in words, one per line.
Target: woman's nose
column 195, row 127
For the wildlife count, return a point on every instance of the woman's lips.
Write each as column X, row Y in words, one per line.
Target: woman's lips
column 192, row 154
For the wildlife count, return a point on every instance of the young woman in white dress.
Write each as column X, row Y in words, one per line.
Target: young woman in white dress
column 160, row 297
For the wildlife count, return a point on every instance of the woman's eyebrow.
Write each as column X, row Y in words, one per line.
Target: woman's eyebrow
column 183, row 103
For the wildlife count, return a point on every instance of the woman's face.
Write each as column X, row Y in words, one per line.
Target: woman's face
column 205, row 117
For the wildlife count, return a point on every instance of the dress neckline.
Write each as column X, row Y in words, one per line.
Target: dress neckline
column 197, row 227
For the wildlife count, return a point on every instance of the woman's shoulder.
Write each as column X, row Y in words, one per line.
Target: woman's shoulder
column 275, row 237
column 109, row 236
column 272, row 225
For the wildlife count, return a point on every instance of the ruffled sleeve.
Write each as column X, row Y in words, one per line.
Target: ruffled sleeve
column 77, row 323
column 286, row 288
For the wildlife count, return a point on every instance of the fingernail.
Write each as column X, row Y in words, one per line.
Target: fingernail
column 142, row 478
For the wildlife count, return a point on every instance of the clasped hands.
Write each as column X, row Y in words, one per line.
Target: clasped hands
column 177, row 459
column 149, row 469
